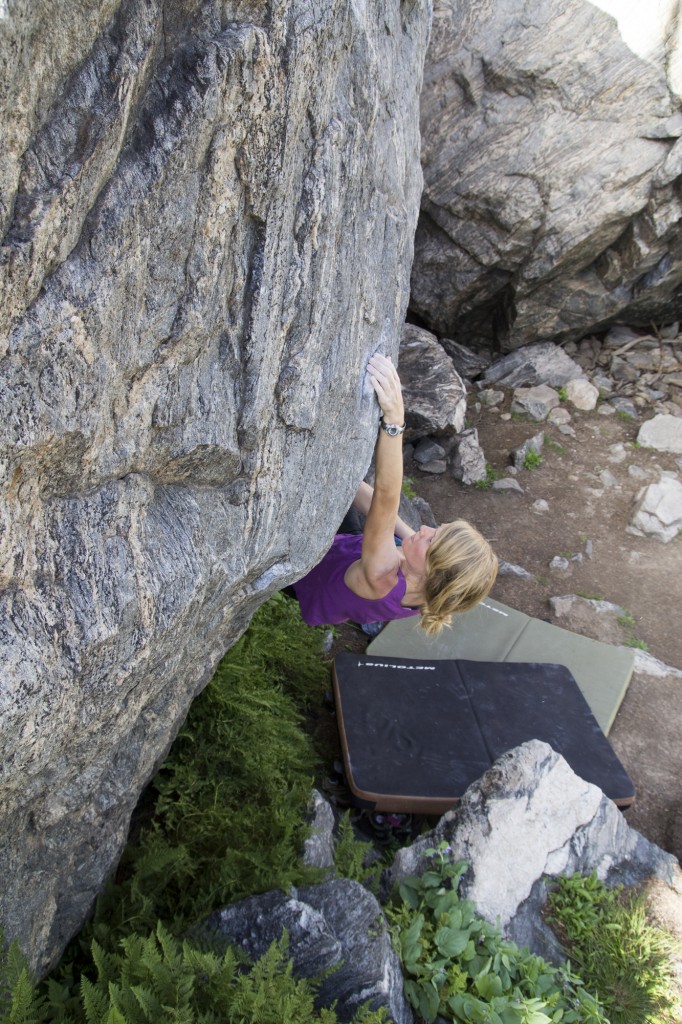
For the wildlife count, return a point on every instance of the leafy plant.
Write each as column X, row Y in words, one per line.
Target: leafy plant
column 532, row 459
column 626, row 959
column 491, row 475
column 227, row 814
column 351, row 854
column 544, row 581
column 563, row 394
column 459, row 967
column 157, row 979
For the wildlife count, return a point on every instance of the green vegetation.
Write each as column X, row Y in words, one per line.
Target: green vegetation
column 624, row 415
column 458, row 965
column 408, row 488
column 532, row 459
column 159, row 980
column 628, row 623
column 590, row 597
column 627, row 960
column 554, row 445
column 544, row 581
column 226, row 814
column 491, row 475
column 563, row 394
column 351, row 854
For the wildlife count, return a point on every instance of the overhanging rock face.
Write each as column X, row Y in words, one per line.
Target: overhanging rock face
column 208, row 212
column 552, row 174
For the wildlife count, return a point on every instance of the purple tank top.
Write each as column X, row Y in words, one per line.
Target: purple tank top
column 325, row 599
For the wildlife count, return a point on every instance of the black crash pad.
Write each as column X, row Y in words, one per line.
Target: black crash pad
column 416, row 734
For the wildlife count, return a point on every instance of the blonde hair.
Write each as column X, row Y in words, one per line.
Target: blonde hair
column 461, row 568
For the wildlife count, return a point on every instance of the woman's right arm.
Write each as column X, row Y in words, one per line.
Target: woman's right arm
column 376, row 573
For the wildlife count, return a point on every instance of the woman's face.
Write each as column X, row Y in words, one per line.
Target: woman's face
column 416, row 546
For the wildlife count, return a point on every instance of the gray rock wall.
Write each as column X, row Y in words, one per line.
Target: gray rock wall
column 208, row 211
column 552, row 175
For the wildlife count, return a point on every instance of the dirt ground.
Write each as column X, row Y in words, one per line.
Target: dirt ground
column 642, row 575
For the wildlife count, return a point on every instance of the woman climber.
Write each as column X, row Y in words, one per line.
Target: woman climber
column 391, row 571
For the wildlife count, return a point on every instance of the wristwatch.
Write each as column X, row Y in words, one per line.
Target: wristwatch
column 392, row 429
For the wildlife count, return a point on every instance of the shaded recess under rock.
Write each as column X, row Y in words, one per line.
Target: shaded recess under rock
column 204, row 240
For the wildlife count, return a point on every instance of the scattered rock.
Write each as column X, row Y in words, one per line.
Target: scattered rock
column 607, row 478
column 565, row 428
column 662, row 433
column 436, row 466
column 582, row 394
column 540, row 506
column 559, row 416
column 606, row 410
column 533, row 814
column 589, row 617
column 617, row 453
column 435, row 395
column 468, row 461
column 337, row 927
column 603, row 383
column 318, row 849
column 624, row 406
column 427, row 450
column 559, row 562
column 508, row 569
column 646, row 664
column 537, row 401
column 534, row 444
column 467, row 362
column 490, row 397
column 544, row 363
column 507, row 484
column 637, row 473
column 658, row 510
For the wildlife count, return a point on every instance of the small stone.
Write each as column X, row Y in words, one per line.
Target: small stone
column 618, row 336
column 582, row 394
column 490, row 397
column 507, row 484
column 622, row 370
column 512, row 470
column 506, row 416
column 468, row 461
column 606, row 410
column 534, row 444
column 607, row 478
column 617, row 453
column 671, row 331
column 408, row 452
column 625, row 406
column 467, row 362
column 427, row 450
column 663, row 433
column 507, row 569
column 537, row 401
column 565, row 428
column 436, row 466
column 637, row 473
column 540, row 363
column 578, row 557
column 540, row 506
column 559, row 415
column 658, row 510
column 602, row 382
column 559, row 562
column 588, row 548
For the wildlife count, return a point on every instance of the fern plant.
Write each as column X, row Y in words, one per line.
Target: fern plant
column 159, row 980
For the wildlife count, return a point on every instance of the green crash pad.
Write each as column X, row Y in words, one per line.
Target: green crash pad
column 494, row 632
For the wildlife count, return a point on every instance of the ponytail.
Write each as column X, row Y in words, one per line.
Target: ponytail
column 461, row 569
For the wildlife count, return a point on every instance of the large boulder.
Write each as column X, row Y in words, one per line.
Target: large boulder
column 551, row 154
column 527, row 820
column 208, row 213
column 336, row 929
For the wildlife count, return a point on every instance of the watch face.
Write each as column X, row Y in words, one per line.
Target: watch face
column 392, row 429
